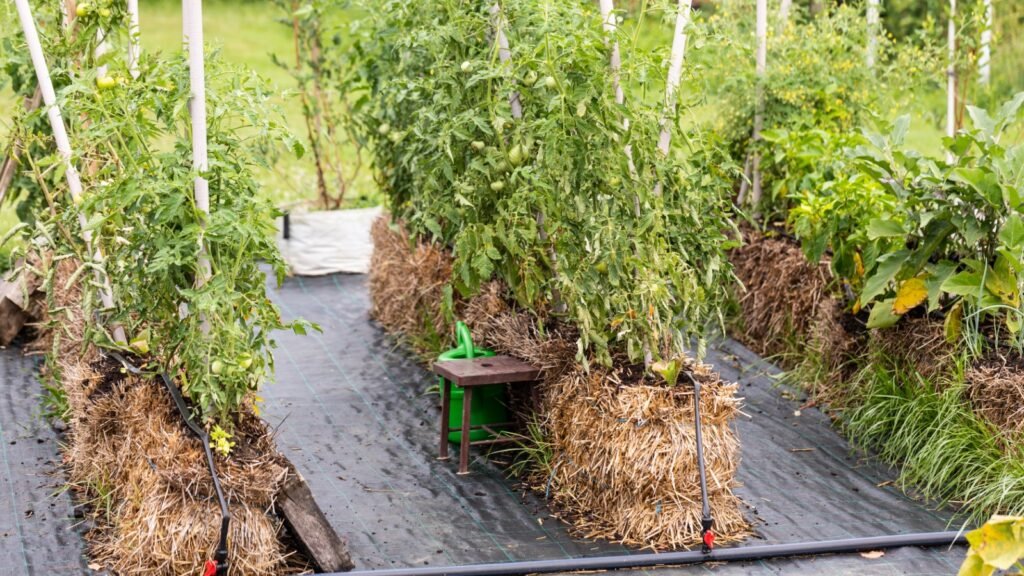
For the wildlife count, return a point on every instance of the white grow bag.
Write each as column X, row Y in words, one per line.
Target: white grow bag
column 320, row 243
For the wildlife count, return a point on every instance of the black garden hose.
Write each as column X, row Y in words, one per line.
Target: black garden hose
column 741, row 554
column 218, row 566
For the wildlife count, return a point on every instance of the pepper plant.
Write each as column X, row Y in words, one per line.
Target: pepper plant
column 546, row 202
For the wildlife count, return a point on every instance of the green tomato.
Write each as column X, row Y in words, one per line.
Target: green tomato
column 384, row 129
column 516, row 155
column 106, row 82
column 244, row 361
column 467, row 67
column 601, row 267
column 550, row 83
column 105, row 12
column 477, row 145
column 497, row 186
column 501, row 166
column 530, row 79
column 82, row 9
column 614, row 181
column 216, row 367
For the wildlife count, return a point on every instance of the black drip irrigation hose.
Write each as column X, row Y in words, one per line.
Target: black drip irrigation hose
column 218, row 566
column 746, row 553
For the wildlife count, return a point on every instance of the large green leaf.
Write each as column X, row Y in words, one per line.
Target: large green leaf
column 882, row 315
column 965, row 284
column 882, row 228
column 1012, row 232
column 888, row 266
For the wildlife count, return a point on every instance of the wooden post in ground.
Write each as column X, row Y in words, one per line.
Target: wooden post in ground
column 60, row 136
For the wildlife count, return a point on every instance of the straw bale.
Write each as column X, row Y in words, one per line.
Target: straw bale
column 155, row 505
column 919, row 341
column 781, row 295
column 624, row 449
column 995, row 387
column 406, row 282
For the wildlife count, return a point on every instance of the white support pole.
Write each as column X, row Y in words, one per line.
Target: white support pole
column 60, row 137
column 101, row 49
column 784, row 9
column 872, row 32
column 193, row 17
column 610, row 27
column 761, row 31
column 505, row 54
column 985, row 58
column 951, row 79
column 675, row 74
column 134, row 49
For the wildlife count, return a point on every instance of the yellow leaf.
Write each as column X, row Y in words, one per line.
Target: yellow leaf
column 954, row 322
column 856, row 306
column 910, row 295
column 858, row 264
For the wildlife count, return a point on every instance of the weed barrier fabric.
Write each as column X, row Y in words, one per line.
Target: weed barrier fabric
column 38, row 531
column 352, row 412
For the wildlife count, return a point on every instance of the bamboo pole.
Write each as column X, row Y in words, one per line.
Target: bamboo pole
column 193, row 18
column 762, row 67
column 951, row 79
column 134, row 49
column 873, row 18
column 675, row 72
column 985, row 58
column 60, row 136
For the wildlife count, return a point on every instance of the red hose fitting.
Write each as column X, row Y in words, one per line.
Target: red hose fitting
column 709, row 541
column 210, row 569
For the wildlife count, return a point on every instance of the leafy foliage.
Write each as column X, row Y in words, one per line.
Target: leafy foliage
column 996, row 545
column 546, row 202
column 132, row 146
column 316, row 73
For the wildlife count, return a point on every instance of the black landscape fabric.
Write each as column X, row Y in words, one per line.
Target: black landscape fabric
column 354, row 413
column 39, row 534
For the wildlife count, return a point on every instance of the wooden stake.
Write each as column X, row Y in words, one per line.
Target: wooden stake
column 60, row 137
column 784, row 9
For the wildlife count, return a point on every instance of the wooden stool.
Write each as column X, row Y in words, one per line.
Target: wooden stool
column 473, row 373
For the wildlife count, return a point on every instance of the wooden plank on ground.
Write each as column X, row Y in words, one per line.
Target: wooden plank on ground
column 311, row 528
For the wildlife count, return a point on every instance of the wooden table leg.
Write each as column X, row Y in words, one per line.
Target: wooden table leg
column 446, row 408
column 467, row 402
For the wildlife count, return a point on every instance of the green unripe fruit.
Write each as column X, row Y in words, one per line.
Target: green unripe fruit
column 530, row 79
column 477, row 145
column 384, row 129
column 467, row 67
column 497, row 186
column 550, row 83
column 516, row 155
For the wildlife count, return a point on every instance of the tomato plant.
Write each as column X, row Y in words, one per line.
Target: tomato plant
column 132, row 144
column 546, row 202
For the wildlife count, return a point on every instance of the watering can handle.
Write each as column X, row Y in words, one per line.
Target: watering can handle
column 464, row 339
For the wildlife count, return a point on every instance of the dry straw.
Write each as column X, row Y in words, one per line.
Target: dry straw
column 624, row 451
column 130, row 456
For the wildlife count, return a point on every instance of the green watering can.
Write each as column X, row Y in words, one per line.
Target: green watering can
column 489, row 406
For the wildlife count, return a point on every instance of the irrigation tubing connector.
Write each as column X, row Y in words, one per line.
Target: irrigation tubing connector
column 218, row 565
column 741, row 554
column 707, row 522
